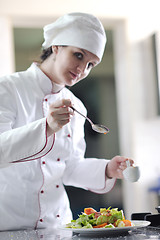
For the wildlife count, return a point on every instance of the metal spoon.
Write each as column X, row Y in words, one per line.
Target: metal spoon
column 96, row 127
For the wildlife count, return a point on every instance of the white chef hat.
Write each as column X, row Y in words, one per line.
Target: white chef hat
column 77, row 29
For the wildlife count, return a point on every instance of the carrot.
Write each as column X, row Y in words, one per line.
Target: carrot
column 89, row 210
column 127, row 223
column 100, row 226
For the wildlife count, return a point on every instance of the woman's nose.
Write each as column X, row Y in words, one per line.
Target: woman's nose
column 82, row 68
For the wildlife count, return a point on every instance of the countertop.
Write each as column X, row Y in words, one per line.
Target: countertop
column 51, row 234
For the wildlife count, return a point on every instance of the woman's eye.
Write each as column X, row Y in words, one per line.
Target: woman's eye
column 79, row 55
column 90, row 65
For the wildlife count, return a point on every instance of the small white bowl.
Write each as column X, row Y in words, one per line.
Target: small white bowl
column 131, row 174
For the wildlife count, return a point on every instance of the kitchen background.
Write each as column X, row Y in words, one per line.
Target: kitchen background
column 122, row 92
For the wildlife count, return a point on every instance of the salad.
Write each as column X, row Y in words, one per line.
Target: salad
column 105, row 218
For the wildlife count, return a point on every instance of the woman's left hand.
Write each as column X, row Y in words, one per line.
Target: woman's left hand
column 116, row 166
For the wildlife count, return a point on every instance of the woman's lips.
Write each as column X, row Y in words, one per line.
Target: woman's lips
column 74, row 75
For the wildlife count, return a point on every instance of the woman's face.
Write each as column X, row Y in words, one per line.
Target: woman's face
column 68, row 65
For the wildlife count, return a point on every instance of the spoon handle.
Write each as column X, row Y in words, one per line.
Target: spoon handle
column 82, row 115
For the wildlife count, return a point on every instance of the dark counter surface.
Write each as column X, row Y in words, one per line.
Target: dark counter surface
column 48, row 234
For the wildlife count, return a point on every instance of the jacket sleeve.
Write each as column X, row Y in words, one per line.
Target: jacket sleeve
column 25, row 143
column 87, row 173
column 21, row 141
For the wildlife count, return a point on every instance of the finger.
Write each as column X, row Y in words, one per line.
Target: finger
column 66, row 110
column 61, row 103
column 61, row 117
column 122, row 164
column 120, row 174
column 61, row 113
column 121, row 159
column 124, row 159
column 66, row 102
column 63, row 122
column 131, row 162
column 122, row 167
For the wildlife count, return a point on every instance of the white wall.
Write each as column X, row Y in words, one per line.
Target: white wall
column 6, row 46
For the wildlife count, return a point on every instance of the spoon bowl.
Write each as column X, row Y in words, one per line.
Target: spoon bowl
column 100, row 128
column 96, row 127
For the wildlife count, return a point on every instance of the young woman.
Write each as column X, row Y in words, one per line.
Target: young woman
column 42, row 142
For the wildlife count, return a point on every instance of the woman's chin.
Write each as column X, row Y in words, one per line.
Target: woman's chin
column 71, row 83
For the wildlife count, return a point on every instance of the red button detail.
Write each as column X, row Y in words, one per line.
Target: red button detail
column 41, row 220
column 58, row 159
column 68, row 135
column 57, row 186
column 46, row 99
column 58, row 215
column 42, row 191
column 43, row 162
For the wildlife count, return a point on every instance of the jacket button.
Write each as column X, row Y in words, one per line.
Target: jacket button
column 46, row 99
column 68, row 135
column 58, row 215
column 42, row 191
column 41, row 220
column 43, row 162
column 58, row 159
column 57, row 186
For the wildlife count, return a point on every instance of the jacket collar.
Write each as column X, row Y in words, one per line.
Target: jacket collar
column 46, row 84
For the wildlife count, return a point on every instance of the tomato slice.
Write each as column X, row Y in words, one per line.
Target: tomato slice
column 127, row 223
column 89, row 210
column 100, row 226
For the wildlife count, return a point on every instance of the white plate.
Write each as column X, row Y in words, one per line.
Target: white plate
column 107, row 231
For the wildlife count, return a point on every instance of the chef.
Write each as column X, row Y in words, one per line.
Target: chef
column 42, row 142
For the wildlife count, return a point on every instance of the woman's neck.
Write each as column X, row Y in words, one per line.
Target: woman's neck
column 45, row 66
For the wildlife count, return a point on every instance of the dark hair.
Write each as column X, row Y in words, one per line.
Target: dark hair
column 46, row 53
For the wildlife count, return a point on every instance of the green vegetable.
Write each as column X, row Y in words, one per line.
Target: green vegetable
column 102, row 219
column 109, row 226
column 112, row 217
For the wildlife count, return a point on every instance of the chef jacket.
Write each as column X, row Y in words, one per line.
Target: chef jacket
column 34, row 168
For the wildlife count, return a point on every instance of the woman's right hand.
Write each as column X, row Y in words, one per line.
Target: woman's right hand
column 59, row 115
